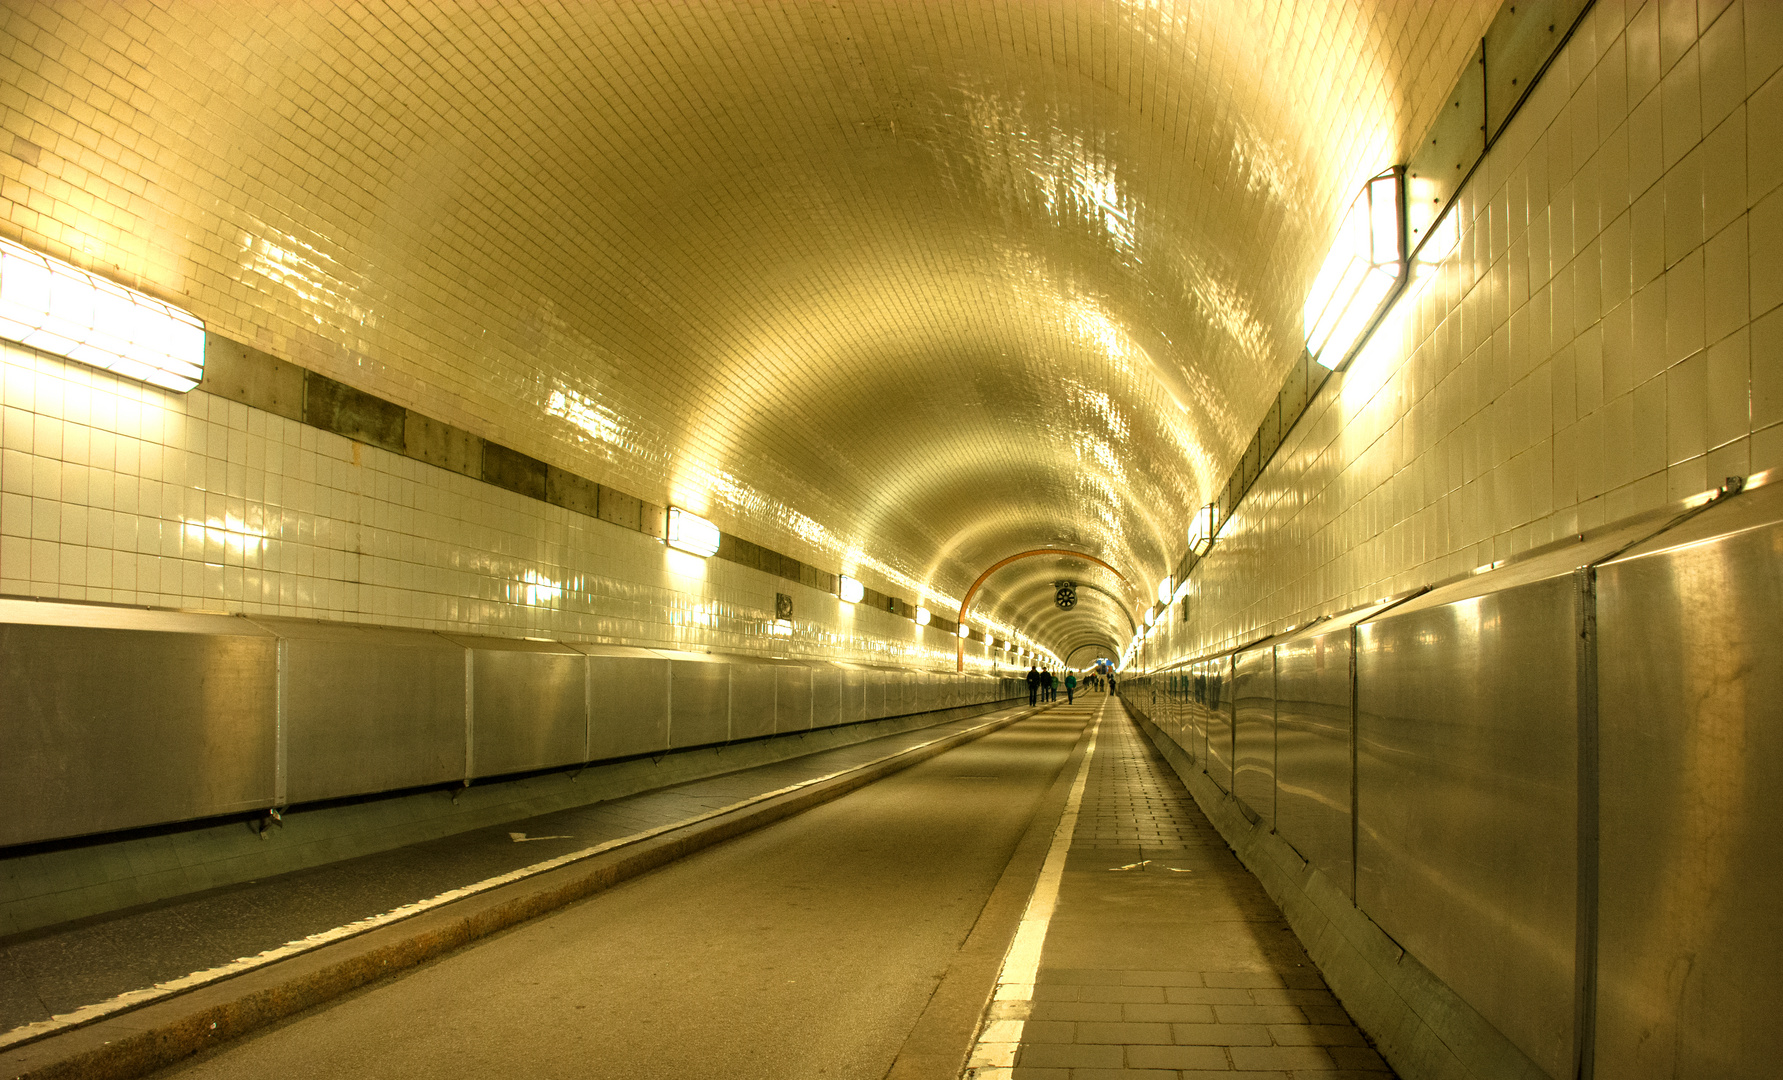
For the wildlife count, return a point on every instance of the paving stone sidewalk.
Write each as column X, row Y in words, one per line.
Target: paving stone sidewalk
column 1165, row 958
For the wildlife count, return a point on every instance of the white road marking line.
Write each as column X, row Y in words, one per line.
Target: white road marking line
column 135, row 999
column 522, row 838
column 993, row 1055
column 1140, row 865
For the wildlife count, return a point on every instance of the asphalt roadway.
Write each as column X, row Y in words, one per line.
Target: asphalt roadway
column 808, row 948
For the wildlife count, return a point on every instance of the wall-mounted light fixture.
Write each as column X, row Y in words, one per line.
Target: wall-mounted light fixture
column 59, row 308
column 1362, row 272
column 1166, row 588
column 1151, row 616
column 691, row 533
column 1201, row 529
column 965, row 631
column 850, row 590
column 923, row 617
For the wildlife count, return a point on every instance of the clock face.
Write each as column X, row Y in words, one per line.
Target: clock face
column 1066, row 597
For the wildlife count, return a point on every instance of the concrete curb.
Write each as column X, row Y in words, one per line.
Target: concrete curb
column 134, row 1043
column 941, row 1040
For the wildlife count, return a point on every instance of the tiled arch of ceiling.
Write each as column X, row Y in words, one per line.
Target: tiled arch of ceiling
column 897, row 286
column 1022, row 594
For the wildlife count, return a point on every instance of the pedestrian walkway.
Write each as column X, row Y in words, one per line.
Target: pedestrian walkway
column 1164, row 957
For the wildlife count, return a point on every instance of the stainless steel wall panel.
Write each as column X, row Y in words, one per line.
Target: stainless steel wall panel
column 699, row 700
column 826, row 695
column 1253, row 703
column 1313, row 722
column 529, row 705
column 628, row 701
column 1690, row 678
column 1180, row 680
column 1195, row 713
column 792, row 697
column 1466, row 783
column 369, row 709
column 921, row 692
column 1218, row 716
column 112, row 718
column 874, row 683
column 752, row 698
column 854, row 695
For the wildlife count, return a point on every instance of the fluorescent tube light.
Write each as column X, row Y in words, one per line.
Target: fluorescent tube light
column 692, row 533
column 849, row 589
column 57, row 307
column 1360, row 274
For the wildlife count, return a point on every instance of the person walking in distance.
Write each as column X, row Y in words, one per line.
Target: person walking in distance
column 1070, row 687
column 1046, row 685
column 1033, row 684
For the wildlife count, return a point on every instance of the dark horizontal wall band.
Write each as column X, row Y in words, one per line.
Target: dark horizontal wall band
column 242, row 373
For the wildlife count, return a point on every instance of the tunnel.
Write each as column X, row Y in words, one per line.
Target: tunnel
column 962, row 539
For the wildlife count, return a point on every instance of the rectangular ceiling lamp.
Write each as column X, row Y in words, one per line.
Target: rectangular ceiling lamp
column 1361, row 274
column 57, row 307
column 692, row 533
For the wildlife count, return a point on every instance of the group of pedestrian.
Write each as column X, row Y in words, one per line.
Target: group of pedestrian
column 1044, row 686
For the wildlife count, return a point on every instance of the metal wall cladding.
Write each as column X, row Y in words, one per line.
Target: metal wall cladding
column 1253, row 710
column 369, row 709
column 1171, row 705
column 877, row 690
column 752, row 700
column 529, row 705
column 115, row 718
column 1195, row 713
column 699, row 700
column 1312, row 750
column 854, row 696
column 1218, row 716
column 1467, row 812
column 792, row 697
column 921, row 692
column 1690, row 677
column 826, row 695
column 628, row 701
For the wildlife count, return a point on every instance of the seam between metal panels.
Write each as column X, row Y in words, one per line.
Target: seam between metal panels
column 1590, row 790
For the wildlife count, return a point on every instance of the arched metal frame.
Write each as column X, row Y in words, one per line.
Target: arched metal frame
column 960, row 643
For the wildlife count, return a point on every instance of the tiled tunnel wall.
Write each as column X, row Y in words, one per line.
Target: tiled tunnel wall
column 117, row 492
column 1605, row 338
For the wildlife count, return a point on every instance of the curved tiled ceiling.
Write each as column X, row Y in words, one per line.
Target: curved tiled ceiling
column 895, row 287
